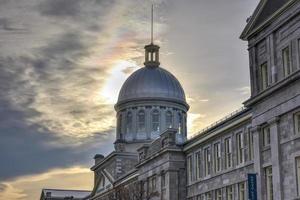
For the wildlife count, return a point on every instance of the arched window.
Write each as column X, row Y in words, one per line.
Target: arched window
column 169, row 119
column 180, row 123
column 155, row 120
column 119, row 126
column 129, row 122
column 141, row 121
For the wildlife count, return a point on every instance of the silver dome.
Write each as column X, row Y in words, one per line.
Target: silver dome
column 152, row 83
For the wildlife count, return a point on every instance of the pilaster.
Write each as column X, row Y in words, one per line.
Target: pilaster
column 275, row 153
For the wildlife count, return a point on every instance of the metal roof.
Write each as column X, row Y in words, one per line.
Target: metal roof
column 149, row 83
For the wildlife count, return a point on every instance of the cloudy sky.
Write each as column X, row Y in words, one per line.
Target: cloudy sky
column 62, row 63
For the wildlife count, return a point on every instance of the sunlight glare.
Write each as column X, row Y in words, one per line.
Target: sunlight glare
column 114, row 83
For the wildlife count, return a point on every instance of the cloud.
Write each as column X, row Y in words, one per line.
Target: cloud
column 29, row 187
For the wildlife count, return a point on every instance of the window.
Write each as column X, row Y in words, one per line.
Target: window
column 155, row 120
column 198, row 164
column 299, row 53
column 190, row 168
column 242, row 191
column 141, row 121
column 269, row 182
column 119, row 126
column 297, row 123
column 163, row 180
column 250, row 144
column 207, row 161
column 207, row 196
column 151, row 185
column 287, row 66
column 129, row 122
column 218, row 194
column 298, row 174
column 266, row 136
column 169, row 119
column 240, row 147
column 163, row 186
column 217, row 157
column 180, row 124
column 229, row 192
column 228, row 153
column 264, row 76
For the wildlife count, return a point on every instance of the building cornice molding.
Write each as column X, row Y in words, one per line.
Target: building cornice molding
column 273, row 88
column 246, row 34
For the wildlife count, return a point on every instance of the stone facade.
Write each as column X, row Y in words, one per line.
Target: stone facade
column 262, row 139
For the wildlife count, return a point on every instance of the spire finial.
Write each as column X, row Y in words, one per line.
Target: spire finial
column 151, row 50
column 152, row 24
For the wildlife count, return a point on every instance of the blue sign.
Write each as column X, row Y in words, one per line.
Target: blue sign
column 252, row 187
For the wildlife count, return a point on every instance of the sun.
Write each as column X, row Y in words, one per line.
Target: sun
column 118, row 75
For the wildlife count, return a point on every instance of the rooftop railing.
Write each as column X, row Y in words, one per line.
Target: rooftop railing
column 220, row 121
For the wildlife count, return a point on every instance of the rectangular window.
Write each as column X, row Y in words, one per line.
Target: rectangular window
column 266, row 136
column 207, row 161
column 298, row 174
column 269, row 182
column 217, row 157
column 229, row 192
column 207, row 196
column 190, row 168
column 218, row 194
column 264, row 76
column 250, row 144
column 153, row 184
column 287, row 65
column 228, row 153
column 198, row 165
column 240, row 147
column 297, row 123
column 163, row 180
column 299, row 53
column 242, row 191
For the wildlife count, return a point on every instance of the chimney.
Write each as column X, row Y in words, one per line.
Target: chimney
column 98, row 158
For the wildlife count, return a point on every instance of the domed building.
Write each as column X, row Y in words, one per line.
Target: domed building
column 253, row 153
column 150, row 101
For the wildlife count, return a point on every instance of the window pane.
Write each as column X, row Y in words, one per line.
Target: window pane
column 228, row 154
column 141, row 121
column 286, row 61
column 155, row 120
column 129, row 122
column 264, row 76
column 207, row 161
column 298, row 174
column 269, row 182
column 266, row 136
column 297, row 123
column 169, row 119
column 198, row 163
column 180, row 123
column 242, row 193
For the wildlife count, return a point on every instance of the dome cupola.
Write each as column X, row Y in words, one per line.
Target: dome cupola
column 150, row 101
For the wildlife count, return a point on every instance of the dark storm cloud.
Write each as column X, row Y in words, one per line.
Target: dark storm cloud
column 49, row 78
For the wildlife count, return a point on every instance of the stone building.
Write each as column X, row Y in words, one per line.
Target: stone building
column 153, row 159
